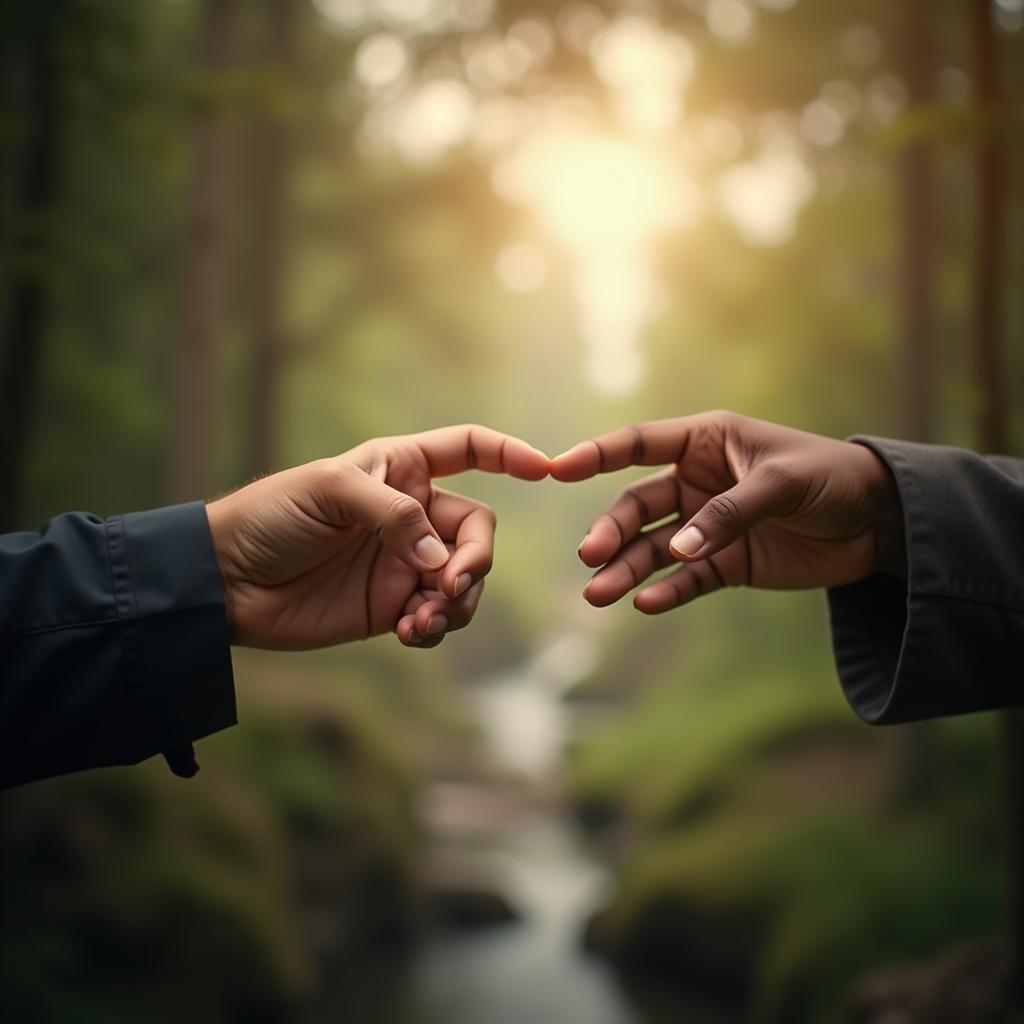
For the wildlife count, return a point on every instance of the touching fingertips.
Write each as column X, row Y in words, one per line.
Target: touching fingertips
column 574, row 464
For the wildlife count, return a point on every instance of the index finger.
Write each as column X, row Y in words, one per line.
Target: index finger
column 449, row 450
column 643, row 444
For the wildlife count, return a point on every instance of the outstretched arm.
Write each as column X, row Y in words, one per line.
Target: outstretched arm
column 114, row 634
column 921, row 548
column 742, row 503
column 364, row 543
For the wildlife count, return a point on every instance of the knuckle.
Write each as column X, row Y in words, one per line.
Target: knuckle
column 781, row 477
column 458, row 620
column 725, row 419
column 403, row 510
column 332, row 468
column 484, row 563
column 632, row 496
column 724, row 511
column 333, row 474
column 488, row 515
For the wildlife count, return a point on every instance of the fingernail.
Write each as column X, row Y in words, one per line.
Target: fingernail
column 462, row 582
column 580, row 548
column 687, row 542
column 436, row 624
column 431, row 552
column 414, row 638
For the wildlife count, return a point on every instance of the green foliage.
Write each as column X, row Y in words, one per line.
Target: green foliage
column 801, row 912
column 150, row 898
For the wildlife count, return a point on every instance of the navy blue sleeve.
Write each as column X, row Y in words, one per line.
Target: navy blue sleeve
column 113, row 643
column 950, row 637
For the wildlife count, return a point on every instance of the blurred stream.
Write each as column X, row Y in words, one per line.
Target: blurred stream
column 532, row 969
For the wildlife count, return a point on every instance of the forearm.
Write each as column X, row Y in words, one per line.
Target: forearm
column 113, row 642
column 945, row 638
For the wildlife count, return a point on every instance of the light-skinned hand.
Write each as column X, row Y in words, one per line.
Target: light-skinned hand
column 363, row 543
column 742, row 503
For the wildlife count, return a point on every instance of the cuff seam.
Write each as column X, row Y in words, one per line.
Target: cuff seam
column 113, row 621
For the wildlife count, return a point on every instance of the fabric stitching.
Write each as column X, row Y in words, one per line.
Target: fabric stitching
column 86, row 623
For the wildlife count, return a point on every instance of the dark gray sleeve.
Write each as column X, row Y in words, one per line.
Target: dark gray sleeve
column 113, row 643
column 950, row 638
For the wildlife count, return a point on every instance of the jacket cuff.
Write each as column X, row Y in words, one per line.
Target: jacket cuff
column 176, row 648
column 934, row 643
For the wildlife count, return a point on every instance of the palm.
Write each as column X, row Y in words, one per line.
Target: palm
column 330, row 584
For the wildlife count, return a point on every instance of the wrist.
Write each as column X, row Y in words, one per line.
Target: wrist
column 220, row 532
column 887, row 523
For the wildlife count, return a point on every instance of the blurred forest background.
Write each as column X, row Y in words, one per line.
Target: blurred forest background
column 240, row 235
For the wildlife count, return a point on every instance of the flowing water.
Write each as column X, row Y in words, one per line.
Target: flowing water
column 533, row 970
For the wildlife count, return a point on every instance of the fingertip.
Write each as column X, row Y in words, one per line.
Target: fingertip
column 567, row 471
column 431, row 553
column 688, row 543
column 599, row 545
column 525, row 462
column 405, row 630
column 596, row 597
column 646, row 603
column 578, row 463
column 457, row 584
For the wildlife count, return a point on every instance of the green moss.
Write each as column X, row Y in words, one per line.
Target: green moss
column 790, row 917
column 678, row 746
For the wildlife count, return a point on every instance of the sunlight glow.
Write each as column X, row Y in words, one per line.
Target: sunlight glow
column 606, row 200
column 417, row 16
column 647, row 68
column 605, row 190
column 763, row 197
column 579, row 24
column 429, row 121
column 732, row 21
column 380, row 60
column 594, row 191
column 522, row 267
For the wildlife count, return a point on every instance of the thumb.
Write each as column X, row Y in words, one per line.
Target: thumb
column 765, row 492
column 397, row 518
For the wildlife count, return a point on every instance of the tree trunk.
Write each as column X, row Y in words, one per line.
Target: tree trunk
column 270, row 208
column 913, row 745
column 28, row 313
column 917, row 242
column 205, row 258
column 990, row 215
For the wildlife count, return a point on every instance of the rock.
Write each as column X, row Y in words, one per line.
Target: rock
column 973, row 985
column 466, row 891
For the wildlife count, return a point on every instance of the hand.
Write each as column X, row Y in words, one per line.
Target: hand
column 348, row 547
column 748, row 503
